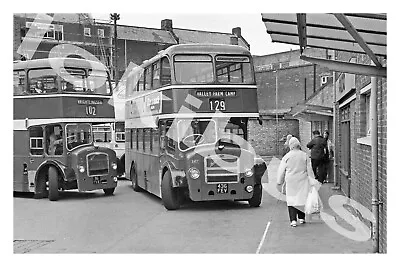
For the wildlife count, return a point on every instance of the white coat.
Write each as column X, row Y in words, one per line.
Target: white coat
column 295, row 169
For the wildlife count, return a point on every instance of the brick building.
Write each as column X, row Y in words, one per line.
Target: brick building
column 71, row 28
column 134, row 44
column 298, row 83
column 354, row 139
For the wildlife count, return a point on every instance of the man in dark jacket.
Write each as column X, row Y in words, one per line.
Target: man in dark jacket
column 318, row 147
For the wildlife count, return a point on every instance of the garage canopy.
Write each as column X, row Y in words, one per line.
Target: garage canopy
column 359, row 33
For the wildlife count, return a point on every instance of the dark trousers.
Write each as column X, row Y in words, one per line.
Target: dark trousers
column 318, row 166
column 294, row 213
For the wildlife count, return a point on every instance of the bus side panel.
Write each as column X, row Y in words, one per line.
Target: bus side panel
column 140, row 168
column 21, row 183
column 153, row 174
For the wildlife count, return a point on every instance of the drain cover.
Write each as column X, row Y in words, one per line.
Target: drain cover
column 24, row 246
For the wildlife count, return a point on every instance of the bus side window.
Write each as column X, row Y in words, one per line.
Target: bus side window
column 54, row 140
column 156, row 75
column 36, row 140
column 156, row 141
column 140, row 86
column 133, row 137
column 151, row 139
column 165, row 71
column 19, row 82
column 137, row 139
column 170, row 132
column 147, row 78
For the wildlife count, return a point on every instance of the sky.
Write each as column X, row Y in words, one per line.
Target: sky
column 253, row 29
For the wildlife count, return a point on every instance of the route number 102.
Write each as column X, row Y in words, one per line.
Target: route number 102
column 91, row 110
column 217, row 105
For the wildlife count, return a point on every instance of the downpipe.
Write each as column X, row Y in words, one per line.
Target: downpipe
column 374, row 163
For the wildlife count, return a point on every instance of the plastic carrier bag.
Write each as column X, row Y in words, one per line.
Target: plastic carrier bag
column 313, row 202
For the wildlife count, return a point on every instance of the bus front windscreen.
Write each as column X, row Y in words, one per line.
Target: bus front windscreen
column 195, row 132
column 78, row 135
column 234, row 69
column 193, row 69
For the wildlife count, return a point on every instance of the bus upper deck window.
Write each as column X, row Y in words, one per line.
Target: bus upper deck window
column 42, row 81
column 193, row 69
column 234, row 69
column 165, row 71
column 19, row 82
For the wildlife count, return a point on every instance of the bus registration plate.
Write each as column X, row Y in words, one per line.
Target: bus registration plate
column 96, row 180
column 222, row 188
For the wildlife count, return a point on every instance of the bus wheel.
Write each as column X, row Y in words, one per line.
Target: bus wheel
column 169, row 195
column 134, row 178
column 255, row 200
column 109, row 191
column 53, row 184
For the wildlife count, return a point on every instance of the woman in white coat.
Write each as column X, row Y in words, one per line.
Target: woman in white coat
column 295, row 169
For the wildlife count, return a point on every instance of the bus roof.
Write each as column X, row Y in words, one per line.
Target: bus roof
column 68, row 62
column 199, row 49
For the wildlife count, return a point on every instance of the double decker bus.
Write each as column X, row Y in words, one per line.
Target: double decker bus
column 187, row 126
column 56, row 101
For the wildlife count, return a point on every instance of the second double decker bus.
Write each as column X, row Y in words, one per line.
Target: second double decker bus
column 187, row 126
column 56, row 101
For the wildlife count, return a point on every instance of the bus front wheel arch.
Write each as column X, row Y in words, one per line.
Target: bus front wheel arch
column 169, row 194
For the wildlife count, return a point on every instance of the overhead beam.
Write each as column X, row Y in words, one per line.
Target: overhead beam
column 348, row 67
column 302, row 30
column 353, row 32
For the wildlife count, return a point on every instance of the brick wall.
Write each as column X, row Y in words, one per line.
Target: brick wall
column 361, row 173
column 382, row 163
column 268, row 139
column 295, row 84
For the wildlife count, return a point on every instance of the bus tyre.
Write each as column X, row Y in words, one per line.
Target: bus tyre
column 134, row 179
column 255, row 200
column 53, row 184
column 109, row 191
column 169, row 194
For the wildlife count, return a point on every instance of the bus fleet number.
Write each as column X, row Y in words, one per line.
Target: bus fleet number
column 217, row 104
column 91, row 110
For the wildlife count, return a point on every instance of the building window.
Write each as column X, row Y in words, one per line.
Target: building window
column 52, row 31
column 100, row 33
column 86, row 32
column 365, row 98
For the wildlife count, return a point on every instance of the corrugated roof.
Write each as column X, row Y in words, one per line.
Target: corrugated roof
column 144, row 34
column 330, row 31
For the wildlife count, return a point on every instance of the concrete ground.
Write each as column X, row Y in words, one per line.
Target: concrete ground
column 136, row 222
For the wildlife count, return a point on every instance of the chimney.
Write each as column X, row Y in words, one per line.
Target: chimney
column 166, row 25
column 237, row 31
column 234, row 40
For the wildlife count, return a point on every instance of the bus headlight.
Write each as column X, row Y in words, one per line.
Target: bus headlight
column 249, row 189
column 114, row 165
column 81, row 169
column 248, row 173
column 194, row 173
